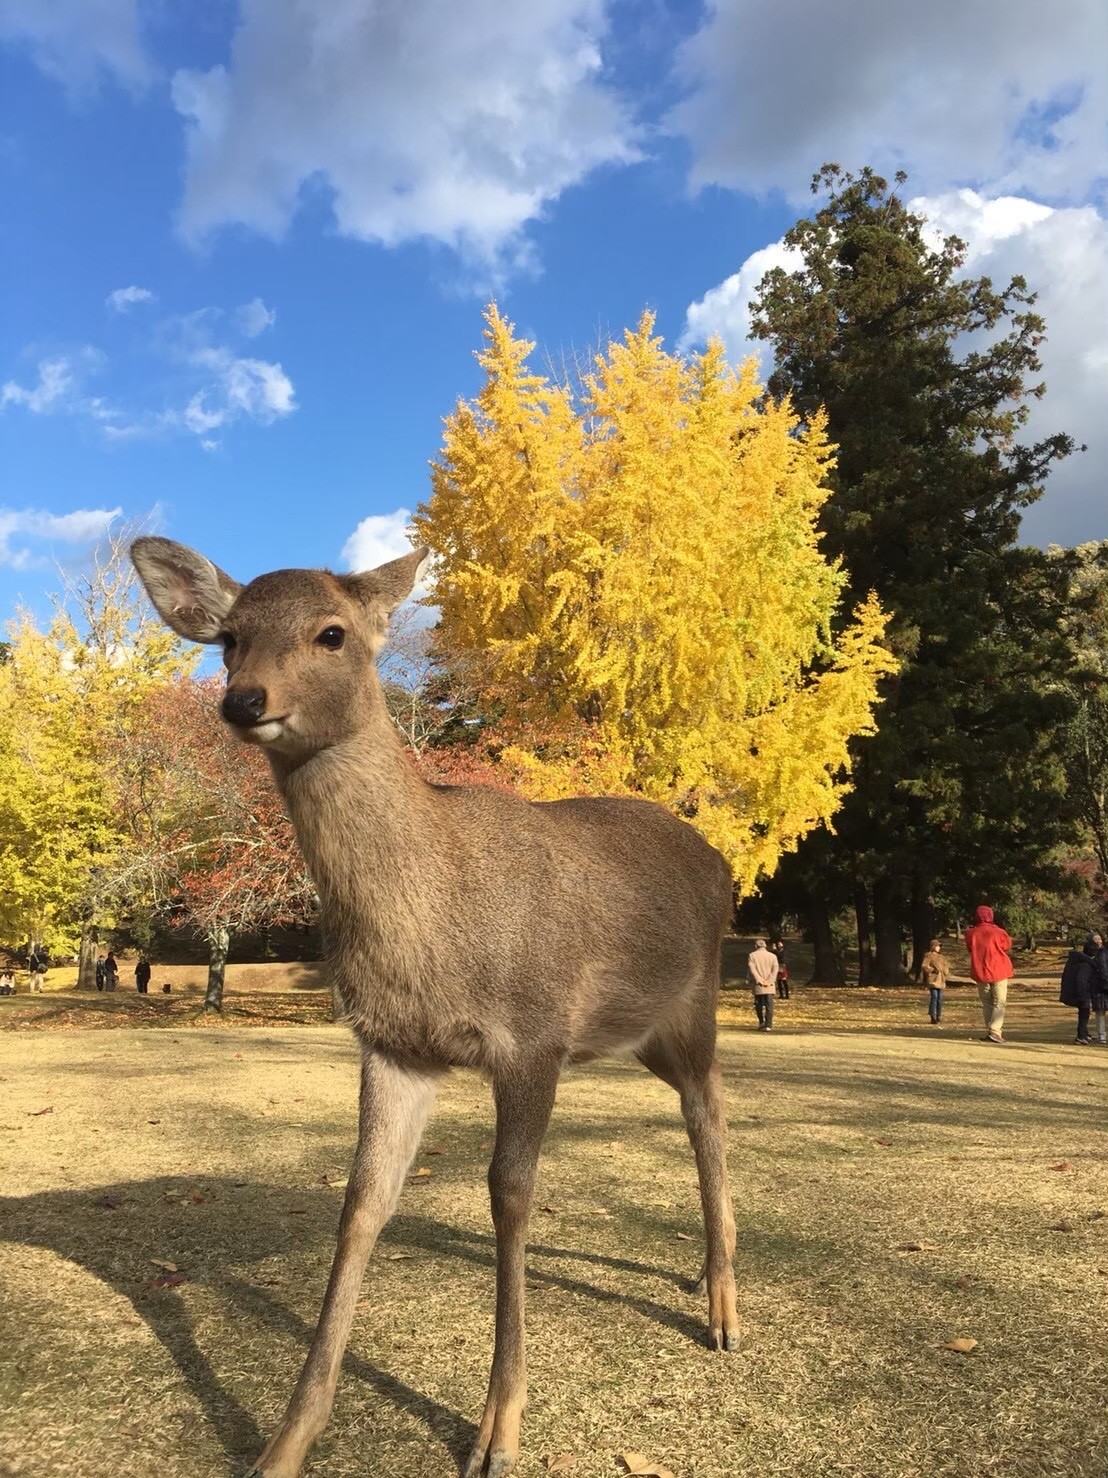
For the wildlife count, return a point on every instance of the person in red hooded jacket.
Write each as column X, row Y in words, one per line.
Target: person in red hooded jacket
column 991, row 967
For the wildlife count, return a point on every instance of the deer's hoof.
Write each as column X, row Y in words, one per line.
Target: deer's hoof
column 496, row 1464
column 722, row 1340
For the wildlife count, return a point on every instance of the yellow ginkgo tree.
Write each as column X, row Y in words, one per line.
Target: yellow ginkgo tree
column 71, row 691
column 635, row 561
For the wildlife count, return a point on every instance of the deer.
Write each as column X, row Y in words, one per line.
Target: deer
column 465, row 926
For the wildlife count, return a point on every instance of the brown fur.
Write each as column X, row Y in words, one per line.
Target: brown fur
column 466, row 927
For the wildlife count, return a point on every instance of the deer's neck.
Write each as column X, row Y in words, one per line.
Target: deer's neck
column 364, row 821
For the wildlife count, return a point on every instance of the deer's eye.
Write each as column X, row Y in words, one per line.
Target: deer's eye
column 228, row 641
column 331, row 637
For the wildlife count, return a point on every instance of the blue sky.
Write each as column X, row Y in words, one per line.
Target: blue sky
column 246, row 246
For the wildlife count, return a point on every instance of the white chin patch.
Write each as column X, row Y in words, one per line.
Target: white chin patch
column 266, row 733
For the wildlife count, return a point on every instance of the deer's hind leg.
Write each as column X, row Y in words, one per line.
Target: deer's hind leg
column 524, row 1100
column 684, row 1057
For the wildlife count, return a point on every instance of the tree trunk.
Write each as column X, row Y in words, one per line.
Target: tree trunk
column 86, row 958
column 865, row 935
column 888, row 960
column 827, row 969
column 219, row 942
column 923, row 923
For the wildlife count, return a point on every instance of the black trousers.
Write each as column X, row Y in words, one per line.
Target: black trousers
column 764, row 1007
column 1083, row 1020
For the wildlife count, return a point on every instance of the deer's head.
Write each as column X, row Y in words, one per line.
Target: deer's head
column 299, row 645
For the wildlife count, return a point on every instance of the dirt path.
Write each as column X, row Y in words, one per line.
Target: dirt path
column 219, row 1152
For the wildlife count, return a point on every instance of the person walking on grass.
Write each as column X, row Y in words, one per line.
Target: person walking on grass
column 111, row 972
column 1080, row 979
column 778, row 948
column 142, row 975
column 762, row 970
column 100, row 972
column 1100, row 992
column 933, row 971
column 36, row 968
column 991, row 968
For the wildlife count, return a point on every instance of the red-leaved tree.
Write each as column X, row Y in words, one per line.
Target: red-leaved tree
column 211, row 844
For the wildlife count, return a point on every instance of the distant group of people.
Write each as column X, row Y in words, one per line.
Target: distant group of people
column 106, row 973
column 1084, row 979
column 1085, row 986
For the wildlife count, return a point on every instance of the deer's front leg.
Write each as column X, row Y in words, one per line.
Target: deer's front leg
column 524, row 1100
column 395, row 1102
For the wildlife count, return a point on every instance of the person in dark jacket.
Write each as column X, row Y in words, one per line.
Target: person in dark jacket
column 1079, row 980
column 111, row 972
column 778, row 948
column 1100, row 994
column 99, row 972
column 142, row 975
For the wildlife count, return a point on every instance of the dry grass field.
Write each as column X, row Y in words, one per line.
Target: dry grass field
column 858, row 1133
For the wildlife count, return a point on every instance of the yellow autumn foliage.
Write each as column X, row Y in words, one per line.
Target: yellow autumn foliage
column 637, row 564
column 70, row 691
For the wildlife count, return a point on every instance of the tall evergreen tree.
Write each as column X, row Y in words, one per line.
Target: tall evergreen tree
column 926, row 378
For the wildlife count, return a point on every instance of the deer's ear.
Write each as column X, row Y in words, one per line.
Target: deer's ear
column 190, row 594
column 390, row 584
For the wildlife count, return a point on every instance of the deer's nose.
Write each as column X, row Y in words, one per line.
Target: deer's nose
column 243, row 706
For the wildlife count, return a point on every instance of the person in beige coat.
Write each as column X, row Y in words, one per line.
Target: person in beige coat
column 933, row 971
column 762, row 967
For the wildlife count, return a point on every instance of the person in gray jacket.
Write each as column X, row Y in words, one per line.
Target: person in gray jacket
column 762, row 967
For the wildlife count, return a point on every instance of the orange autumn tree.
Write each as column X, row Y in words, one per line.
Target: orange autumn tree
column 635, row 565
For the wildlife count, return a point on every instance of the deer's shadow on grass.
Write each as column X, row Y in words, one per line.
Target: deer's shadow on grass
column 111, row 1230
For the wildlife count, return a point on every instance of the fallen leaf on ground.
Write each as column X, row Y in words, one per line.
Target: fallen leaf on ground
column 963, row 1283
column 560, row 1464
column 550, row 1210
column 167, row 1280
column 421, row 1174
column 885, row 1142
column 170, row 1267
column 153, row 1121
column 961, row 1346
column 639, row 1463
column 109, row 1203
column 1061, row 1165
column 438, row 1151
column 917, row 1247
column 38, row 1113
column 399, row 1256
column 1097, row 1215
column 684, row 1237
column 1060, row 1226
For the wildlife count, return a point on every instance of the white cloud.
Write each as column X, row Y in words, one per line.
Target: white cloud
column 378, row 538
column 724, row 311
column 126, row 297
column 254, row 318
column 52, row 392
column 251, row 387
column 1063, row 254
column 78, row 41
column 424, row 118
column 1004, row 93
column 221, row 386
column 22, row 529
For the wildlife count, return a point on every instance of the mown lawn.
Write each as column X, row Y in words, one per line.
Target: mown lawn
column 219, row 1151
